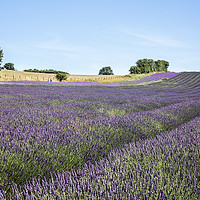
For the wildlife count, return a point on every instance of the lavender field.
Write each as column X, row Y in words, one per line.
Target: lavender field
column 101, row 140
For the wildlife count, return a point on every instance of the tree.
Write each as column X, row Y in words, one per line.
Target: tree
column 1, row 56
column 9, row 66
column 145, row 65
column 61, row 76
column 162, row 65
column 149, row 65
column 140, row 65
column 133, row 70
column 106, row 71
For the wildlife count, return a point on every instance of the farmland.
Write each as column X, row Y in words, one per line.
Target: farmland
column 10, row 75
column 135, row 139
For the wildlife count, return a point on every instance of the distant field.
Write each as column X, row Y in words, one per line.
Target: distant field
column 8, row 75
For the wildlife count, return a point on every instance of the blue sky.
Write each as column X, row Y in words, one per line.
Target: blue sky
column 82, row 36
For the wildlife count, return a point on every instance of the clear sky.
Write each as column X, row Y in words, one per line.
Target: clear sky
column 82, row 36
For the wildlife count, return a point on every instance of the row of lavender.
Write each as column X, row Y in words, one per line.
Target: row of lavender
column 166, row 167
column 48, row 129
column 151, row 78
column 185, row 79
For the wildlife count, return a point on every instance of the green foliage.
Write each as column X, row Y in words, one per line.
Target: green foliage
column 1, row 56
column 162, row 65
column 61, row 76
column 49, row 71
column 9, row 66
column 135, row 70
column 128, row 76
column 149, row 65
column 106, row 71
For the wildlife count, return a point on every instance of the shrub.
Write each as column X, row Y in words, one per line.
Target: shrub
column 61, row 76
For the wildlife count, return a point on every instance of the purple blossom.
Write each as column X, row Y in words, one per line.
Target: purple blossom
column 62, row 141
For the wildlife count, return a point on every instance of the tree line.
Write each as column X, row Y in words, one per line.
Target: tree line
column 149, row 65
column 142, row 66
column 49, row 71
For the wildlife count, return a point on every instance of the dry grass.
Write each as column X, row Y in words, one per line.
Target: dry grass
column 9, row 75
column 95, row 78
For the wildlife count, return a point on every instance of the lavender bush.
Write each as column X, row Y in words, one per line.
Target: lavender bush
column 166, row 167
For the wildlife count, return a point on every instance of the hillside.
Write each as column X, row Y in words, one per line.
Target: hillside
column 9, row 75
column 185, row 79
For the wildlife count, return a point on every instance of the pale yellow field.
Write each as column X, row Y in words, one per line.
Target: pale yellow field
column 9, row 75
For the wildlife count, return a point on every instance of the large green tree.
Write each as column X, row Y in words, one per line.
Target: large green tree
column 9, row 66
column 162, row 65
column 106, row 71
column 149, row 65
column 133, row 70
column 145, row 65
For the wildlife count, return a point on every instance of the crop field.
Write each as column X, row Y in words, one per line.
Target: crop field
column 10, row 75
column 135, row 139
